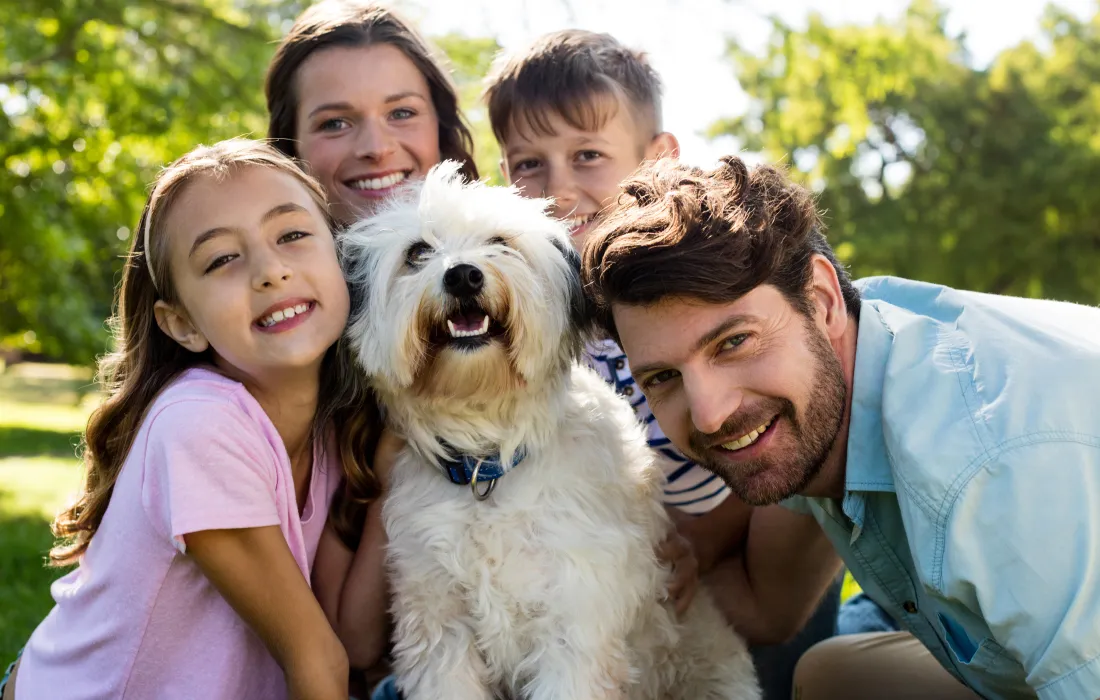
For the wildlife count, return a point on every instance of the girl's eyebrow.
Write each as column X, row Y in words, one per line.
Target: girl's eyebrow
column 277, row 210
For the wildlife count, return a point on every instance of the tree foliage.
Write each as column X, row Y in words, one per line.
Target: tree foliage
column 95, row 97
column 931, row 168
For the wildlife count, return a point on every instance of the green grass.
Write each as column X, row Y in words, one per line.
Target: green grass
column 43, row 409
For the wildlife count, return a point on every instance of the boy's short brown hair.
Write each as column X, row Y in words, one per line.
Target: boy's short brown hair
column 571, row 73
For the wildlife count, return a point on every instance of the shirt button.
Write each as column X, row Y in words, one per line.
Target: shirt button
column 909, row 607
column 629, row 391
column 619, row 364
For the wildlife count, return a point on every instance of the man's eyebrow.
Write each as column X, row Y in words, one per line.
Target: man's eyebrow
column 704, row 340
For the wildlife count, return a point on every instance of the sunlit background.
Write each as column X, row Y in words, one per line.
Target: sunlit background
column 956, row 142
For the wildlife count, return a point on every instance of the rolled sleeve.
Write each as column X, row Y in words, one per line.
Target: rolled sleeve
column 1023, row 547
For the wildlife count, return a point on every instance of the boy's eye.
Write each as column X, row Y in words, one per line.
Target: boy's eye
column 659, row 378
column 293, row 236
column 334, row 124
column 219, row 261
column 587, row 156
column 525, row 165
column 416, row 253
column 734, row 341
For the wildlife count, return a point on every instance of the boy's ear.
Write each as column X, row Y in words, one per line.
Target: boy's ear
column 179, row 328
column 663, row 145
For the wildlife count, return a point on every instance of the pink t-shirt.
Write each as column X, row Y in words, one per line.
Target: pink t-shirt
column 137, row 618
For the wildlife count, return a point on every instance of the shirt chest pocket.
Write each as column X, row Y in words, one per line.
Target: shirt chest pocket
column 985, row 664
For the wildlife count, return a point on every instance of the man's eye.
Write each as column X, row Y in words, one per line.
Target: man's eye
column 659, row 378
column 734, row 341
column 417, row 253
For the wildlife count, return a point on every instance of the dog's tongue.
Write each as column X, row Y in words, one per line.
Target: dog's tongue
column 468, row 322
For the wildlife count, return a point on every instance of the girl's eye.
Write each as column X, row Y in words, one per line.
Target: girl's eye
column 293, row 236
column 219, row 261
column 659, row 378
column 416, row 253
column 734, row 341
column 334, row 124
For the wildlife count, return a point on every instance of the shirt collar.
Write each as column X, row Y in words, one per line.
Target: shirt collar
column 867, row 468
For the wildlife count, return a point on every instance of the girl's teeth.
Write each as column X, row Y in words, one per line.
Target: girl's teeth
column 284, row 314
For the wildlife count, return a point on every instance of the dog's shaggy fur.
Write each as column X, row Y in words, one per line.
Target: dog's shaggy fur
column 550, row 588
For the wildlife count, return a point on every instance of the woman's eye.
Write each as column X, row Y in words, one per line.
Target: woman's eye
column 402, row 113
column 334, row 124
column 417, row 253
column 219, row 261
column 293, row 236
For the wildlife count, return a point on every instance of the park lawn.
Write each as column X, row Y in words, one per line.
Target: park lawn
column 43, row 409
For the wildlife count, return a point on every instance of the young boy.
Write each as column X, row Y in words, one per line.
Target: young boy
column 574, row 114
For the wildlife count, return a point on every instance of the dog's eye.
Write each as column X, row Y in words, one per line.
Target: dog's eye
column 417, row 252
column 498, row 240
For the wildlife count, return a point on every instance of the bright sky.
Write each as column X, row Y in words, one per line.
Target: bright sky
column 686, row 39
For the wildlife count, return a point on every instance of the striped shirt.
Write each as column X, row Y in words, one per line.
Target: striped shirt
column 689, row 487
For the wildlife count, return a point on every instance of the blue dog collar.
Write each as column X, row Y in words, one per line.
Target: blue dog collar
column 471, row 471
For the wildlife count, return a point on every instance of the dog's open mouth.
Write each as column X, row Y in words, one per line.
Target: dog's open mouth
column 469, row 327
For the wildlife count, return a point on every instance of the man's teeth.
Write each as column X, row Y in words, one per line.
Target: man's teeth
column 283, row 314
column 746, row 440
column 480, row 330
column 379, row 183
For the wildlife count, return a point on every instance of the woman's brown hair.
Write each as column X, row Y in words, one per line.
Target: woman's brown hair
column 343, row 23
column 677, row 231
column 145, row 360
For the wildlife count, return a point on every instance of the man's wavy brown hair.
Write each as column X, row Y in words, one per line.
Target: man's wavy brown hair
column 677, row 231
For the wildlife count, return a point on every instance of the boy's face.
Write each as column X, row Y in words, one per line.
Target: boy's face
column 581, row 170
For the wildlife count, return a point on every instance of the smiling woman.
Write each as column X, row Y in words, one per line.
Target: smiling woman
column 359, row 97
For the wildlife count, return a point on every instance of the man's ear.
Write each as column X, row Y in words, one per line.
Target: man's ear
column 177, row 326
column 663, row 145
column 828, row 299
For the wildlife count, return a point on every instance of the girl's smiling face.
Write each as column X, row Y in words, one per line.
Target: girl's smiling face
column 255, row 270
column 365, row 123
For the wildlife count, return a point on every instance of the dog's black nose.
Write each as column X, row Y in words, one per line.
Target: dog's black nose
column 463, row 280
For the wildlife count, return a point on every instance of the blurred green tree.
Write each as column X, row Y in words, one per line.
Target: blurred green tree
column 94, row 99
column 933, row 169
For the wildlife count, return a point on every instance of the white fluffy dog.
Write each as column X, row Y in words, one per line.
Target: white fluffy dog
column 524, row 512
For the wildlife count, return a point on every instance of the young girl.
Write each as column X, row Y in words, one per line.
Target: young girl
column 231, row 416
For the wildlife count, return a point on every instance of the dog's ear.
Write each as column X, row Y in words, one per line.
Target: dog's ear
column 580, row 310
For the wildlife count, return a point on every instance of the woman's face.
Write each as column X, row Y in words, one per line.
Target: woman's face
column 366, row 122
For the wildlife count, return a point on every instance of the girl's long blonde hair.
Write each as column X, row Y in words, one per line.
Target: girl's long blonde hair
column 145, row 360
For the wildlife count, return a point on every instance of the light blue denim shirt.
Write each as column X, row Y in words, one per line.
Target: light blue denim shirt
column 972, row 506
